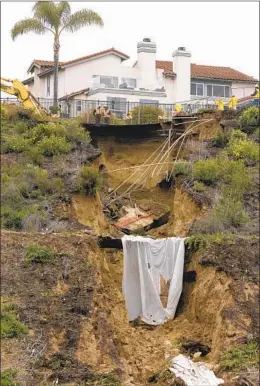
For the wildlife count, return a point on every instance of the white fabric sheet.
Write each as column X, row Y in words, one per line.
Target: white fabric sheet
column 145, row 261
column 194, row 374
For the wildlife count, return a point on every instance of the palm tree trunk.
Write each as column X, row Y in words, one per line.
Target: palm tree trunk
column 56, row 49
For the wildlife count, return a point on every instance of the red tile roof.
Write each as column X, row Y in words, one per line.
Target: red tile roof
column 75, row 93
column 202, row 71
column 48, row 63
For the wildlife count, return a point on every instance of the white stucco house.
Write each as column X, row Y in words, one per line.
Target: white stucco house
column 105, row 77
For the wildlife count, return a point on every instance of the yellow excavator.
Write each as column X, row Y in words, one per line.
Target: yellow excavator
column 16, row 88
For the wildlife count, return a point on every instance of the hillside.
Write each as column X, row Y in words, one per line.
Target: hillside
column 63, row 316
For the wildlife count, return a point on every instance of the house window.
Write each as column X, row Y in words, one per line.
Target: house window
column 131, row 82
column 109, row 81
column 78, row 106
column 148, row 102
column 197, row 89
column 117, row 105
column 48, row 81
column 216, row 90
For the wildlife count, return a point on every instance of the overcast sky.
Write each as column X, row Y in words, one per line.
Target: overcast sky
column 222, row 34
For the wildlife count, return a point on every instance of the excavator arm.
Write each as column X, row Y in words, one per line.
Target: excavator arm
column 16, row 88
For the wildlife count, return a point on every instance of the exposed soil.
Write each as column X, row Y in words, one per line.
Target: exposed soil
column 78, row 326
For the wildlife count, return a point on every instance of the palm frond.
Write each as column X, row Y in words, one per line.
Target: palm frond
column 27, row 25
column 47, row 13
column 64, row 12
column 83, row 18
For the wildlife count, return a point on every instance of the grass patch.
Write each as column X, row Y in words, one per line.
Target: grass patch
column 89, row 181
column 240, row 357
column 8, row 377
column 249, row 118
column 11, row 327
column 201, row 241
column 182, row 168
column 24, row 191
column 37, row 254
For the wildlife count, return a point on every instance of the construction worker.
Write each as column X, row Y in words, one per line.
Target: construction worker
column 220, row 104
column 177, row 109
column 232, row 103
column 256, row 96
column 128, row 118
column 107, row 115
column 97, row 114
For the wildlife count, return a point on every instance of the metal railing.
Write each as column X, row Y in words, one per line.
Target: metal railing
column 148, row 112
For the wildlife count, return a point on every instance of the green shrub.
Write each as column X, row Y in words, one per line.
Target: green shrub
column 75, row 133
column 8, row 377
column 147, row 114
column 21, row 127
column 16, row 144
column 209, row 225
column 256, row 134
column 249, row 118
column 182, row 168
column 89, row 180
column 241, row 357
column 221, row 139
column 53, row 146
column 11, row 327
column 3, row 112
column 243, row 149
column 207, row 171
column 229, row 211
column 237, row 134
column 35, row 253
column 46, row 130
column 199, row 186
column 54, row 109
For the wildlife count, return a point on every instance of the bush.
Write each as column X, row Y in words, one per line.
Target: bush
column 249, row 118
column 241, row 357
column 44, row 130
column 207, row 171
column 210, row 225
column 148, row 114
column 182, row 168
column 16, row 144
column 89, row 181
column 75, row 133
column 35, row 253
column 53, row 146
column 54, row 109
column 220, row 140
column 237, row 134
column 199, row 186
column 3, row 112
column 21, row 127
column 256, row 134
column 11, row 327
column 243, row 149
column 8, row 377
column 230, row 212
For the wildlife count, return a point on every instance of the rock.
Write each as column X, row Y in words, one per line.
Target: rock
column 196, row 356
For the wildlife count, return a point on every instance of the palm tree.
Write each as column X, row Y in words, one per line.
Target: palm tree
column 56, row 18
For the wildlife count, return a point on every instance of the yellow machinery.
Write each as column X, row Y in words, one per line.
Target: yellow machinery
column 16, row 88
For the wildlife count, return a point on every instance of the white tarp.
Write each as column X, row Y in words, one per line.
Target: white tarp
column 194, row 374
column 145, row 261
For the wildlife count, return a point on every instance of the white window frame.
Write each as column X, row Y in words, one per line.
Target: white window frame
column 78, row 106
column 124, row 79
column 196, row 89
column 48, row 85
column 111, row 77
column 214, row 96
